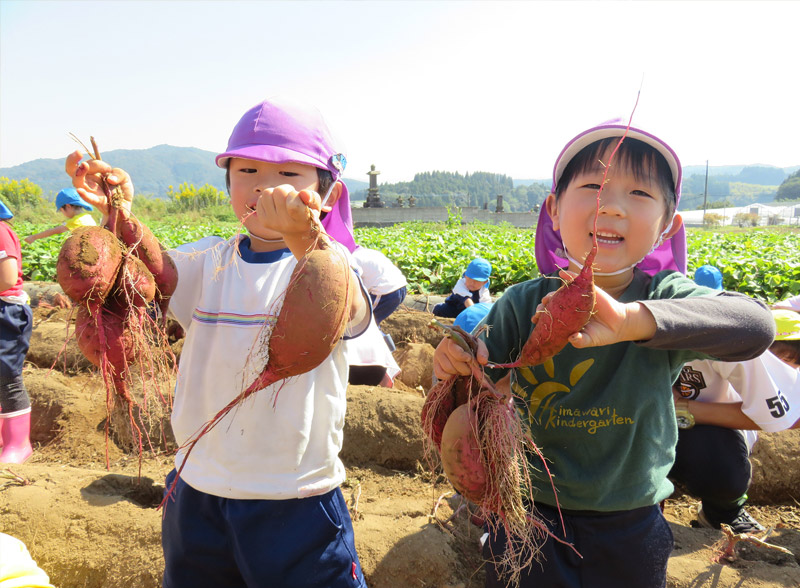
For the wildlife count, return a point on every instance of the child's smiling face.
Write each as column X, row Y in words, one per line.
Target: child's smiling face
column 249, row 178
column 631, row 220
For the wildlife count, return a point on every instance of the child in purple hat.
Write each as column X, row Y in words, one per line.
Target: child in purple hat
column 601, row 410
column 258, row 502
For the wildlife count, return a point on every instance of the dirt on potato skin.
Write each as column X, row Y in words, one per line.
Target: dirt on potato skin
column 88, row 526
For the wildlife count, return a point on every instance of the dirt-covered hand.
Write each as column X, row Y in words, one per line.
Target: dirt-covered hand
column 88, row 178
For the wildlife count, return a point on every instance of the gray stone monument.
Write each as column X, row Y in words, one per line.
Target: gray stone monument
column 373, row 197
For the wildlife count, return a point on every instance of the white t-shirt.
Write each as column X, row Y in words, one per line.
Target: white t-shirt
column 768, row 389
column 371, row 349
column 378, row 273
column 281, row 442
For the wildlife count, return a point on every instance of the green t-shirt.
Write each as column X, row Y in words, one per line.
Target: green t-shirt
column 602, row 416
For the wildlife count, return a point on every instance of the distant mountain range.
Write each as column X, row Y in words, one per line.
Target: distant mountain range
column 157, row 168
column 153, row 170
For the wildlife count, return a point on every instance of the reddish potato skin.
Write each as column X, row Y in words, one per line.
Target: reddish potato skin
column 104, row 339
column 440, row 402
column 88, row 264
column 144, row 245
column 566, row 313
column 135, row 284
column 461, row 454
column 312, row 319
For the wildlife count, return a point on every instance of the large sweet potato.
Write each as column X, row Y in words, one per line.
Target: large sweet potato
column 88, row 264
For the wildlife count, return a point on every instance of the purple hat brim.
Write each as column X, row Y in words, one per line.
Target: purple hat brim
column 271, row 154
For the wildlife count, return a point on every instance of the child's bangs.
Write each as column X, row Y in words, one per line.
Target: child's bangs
column 636, row 157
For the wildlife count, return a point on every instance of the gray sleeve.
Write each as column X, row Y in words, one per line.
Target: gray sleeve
column 728, row 326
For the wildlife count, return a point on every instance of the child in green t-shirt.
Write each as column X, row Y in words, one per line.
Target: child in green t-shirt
column 601, row 410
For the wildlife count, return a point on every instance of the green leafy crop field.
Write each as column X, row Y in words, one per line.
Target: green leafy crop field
column 763, row 263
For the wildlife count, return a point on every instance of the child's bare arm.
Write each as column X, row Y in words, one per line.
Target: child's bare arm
column 46, row 233
column 9, row 269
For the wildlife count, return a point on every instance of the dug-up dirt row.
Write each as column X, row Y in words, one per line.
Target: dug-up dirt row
column 89, row 526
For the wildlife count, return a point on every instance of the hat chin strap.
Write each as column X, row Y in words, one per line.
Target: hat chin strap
column 328, row 193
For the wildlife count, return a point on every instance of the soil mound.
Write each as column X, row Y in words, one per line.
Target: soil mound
column 91, row 526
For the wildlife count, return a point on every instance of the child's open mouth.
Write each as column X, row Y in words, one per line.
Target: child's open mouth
column 608, row 238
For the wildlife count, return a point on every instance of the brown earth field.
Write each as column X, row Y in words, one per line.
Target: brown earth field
column 85, row 504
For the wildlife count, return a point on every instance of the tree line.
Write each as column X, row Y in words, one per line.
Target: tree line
column 478, row 189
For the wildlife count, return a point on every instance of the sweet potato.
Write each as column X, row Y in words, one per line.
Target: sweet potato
column 566, row 313
column 461, row 453
column 313, row 317
column 88, row 264
column 441, row 401
column 114, row 273
column 144, row 245
column 108, row 342
column 135, row 285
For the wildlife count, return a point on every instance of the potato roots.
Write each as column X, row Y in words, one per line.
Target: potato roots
column 111, row 280
column 478, row 435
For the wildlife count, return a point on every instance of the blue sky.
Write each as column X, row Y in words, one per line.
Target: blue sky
column 408, row 86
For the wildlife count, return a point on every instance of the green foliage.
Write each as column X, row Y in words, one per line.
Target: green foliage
column 187, row 197
column 790, row 188
column 763, row 263
column 17, row 194
column 433, row 257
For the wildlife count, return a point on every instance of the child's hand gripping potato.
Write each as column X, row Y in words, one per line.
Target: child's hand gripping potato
column 287, row 211
column 451, row 360
column 88, row 178
column 611, row 322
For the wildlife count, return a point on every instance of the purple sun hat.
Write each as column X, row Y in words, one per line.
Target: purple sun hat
column 278, row 131
column 669, row 255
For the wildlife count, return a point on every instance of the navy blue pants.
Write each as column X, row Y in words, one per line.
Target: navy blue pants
column 216, row 542
column 619, row 549
column 447, row 310
column 714, row 465
column 16, row 326
column 387, row 304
